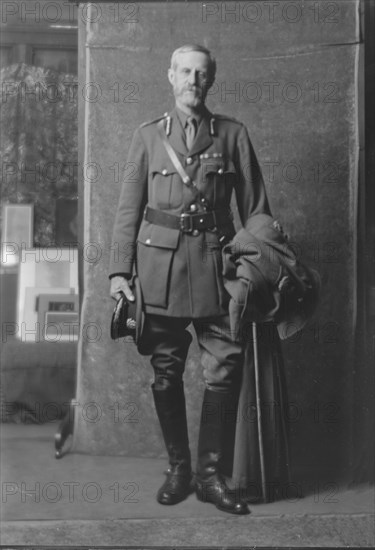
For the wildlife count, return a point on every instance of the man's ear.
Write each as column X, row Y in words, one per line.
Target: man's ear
column 211, row 84
column 171, row 76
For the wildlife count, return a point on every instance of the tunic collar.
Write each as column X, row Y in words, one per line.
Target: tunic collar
column 184, row 116
column 203, row 138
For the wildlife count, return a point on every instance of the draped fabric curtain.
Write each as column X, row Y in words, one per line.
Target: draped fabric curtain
column 274, row 414
column 39, row 135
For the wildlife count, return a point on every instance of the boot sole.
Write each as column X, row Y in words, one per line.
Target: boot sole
column 221, row 508
column 180, row 499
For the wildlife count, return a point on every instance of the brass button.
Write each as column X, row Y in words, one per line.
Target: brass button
column 220, row 171
column 193, row 208
column 189, row 160
column 203, row 200
column 201, row 220
column 148, row 241
column 164, row 172
column 195, row 233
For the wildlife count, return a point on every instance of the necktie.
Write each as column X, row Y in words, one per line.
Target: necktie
column 191, row 128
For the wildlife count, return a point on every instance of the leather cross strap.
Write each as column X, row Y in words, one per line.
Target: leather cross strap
column 187, row 222
column 172, row 154
column 176, row 161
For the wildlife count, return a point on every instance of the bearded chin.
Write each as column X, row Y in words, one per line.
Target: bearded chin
column 194, row 102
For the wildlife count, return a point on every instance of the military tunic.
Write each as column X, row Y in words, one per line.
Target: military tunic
column 181, row 273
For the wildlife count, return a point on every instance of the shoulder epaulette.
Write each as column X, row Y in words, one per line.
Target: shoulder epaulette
column 225, row 117
column 154, row 121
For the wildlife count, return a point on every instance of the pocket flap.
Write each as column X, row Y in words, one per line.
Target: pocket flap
column 217, row 165
column 158, row 236
column 163, row 167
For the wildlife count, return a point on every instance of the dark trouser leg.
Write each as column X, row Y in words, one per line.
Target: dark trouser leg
column 170, row 343
column 222, row 363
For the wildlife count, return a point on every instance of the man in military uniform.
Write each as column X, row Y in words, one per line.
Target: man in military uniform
column 173, row 218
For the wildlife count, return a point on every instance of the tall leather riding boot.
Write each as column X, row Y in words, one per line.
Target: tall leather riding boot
column 171, row 410
column 210, row 484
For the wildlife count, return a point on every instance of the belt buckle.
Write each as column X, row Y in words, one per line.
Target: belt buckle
column 185, row 216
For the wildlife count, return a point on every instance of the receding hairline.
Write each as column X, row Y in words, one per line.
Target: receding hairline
column 194, row 48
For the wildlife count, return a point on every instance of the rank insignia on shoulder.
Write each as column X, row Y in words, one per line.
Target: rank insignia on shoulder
column 168, row 125
column 212, row 126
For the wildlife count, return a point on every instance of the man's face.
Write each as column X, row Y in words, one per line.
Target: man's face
column 189, row 79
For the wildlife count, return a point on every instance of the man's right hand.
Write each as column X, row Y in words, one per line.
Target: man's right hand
column 118, row 284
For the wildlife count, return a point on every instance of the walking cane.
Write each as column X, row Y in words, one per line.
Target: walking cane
column 259, row 413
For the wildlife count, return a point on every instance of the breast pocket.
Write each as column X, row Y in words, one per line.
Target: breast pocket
column 219, row 178
column 165, row 187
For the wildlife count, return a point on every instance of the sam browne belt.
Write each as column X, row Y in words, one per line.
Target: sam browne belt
column 220, row 221
column 187, row 222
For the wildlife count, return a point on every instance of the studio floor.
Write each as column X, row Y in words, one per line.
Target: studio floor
column 110, row 501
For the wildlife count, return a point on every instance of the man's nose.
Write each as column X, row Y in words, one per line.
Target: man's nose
column 193, row 77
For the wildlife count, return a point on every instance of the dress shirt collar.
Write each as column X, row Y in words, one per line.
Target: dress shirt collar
column 184, row 116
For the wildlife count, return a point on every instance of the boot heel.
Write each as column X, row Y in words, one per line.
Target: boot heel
column 199, row 497
column 200, row 493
